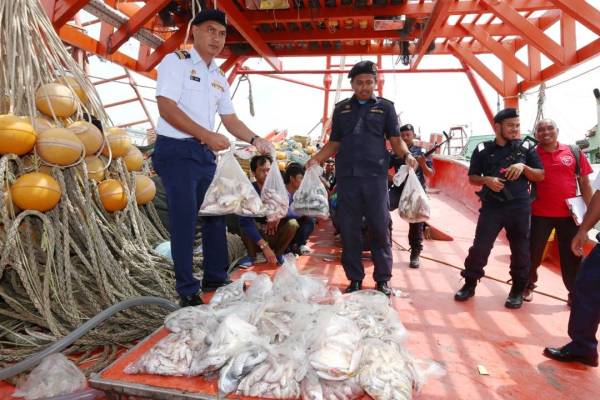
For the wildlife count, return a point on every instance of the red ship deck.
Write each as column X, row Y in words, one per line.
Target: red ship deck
column 460, row 336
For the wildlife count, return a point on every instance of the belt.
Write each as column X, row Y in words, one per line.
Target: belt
column 190, row 139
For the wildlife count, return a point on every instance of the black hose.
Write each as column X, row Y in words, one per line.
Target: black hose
column 93, row 322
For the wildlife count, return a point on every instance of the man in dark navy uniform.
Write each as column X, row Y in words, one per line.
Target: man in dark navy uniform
column 425, row 169
column 359, row 129
column 504, row 167
column 190, row 91
column 585, row 310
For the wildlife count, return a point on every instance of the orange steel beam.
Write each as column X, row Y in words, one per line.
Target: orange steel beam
column 535, row 64
column 239, row 21
column 487, row 110
column 135, row 22
column 509, row 78
column 168, row 46
column 584, row 54
column 65, row 10
column 414, row 10
column 232, row 61
column 75, row 37
column 438, row 17
column 544, row 22
column 468, row 58
column 507, row 57
column 528, row 31
column 586, row 14
column 568, row 38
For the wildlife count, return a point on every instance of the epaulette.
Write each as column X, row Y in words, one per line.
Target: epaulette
column 385, row 100
column 221, row 72
column 182, row 54
column 484, row 145
column 342, row 102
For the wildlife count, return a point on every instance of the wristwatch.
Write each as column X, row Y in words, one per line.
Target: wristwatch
column 252, row 141
column 263, row 245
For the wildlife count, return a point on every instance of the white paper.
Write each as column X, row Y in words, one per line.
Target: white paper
column 577, row 207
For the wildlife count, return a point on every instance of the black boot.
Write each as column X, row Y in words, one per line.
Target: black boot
column 414, row 259
column 467, row 290
column 353, row 286
column 190, row 301
column 515, row 297
column 383, row 288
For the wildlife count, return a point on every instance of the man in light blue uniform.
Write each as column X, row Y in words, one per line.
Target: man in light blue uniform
column 190, row 90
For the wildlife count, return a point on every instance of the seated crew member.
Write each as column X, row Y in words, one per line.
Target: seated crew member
column 306, row 225
column 272, row 238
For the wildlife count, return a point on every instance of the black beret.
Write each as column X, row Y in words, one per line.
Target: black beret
column 210, row 15
column 505, row 114
column 407, row 127
column 363, row 67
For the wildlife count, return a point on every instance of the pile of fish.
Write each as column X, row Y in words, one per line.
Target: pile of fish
column 275, row 204
column 230, row 191
column 289, row 338
column 414, row 204
column 311, row 198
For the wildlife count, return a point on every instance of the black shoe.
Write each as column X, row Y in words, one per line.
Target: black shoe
column 466, row 291
column 383, row 288
column 414, row 260
column 190, row 301
column 515, row 297
column 564, row 355
column 353, row 286
column 212, row 286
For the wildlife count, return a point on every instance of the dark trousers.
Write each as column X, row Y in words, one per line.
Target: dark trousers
column 186, row 169
column 565, row 231
column 514, row 218
column 585, row 310
column 306, row 226
column 368, row 197
column 415, row 237
column 278, row 242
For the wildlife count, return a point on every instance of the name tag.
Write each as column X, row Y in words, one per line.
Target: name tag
column 376, row 110
column 217, row 86
column 345, row 111
column 195, row 78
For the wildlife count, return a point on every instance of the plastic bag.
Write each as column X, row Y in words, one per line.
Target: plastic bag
column 56, row 375
column 260, row 289
column 274, row 194
column 292, row 286
column 232, row 293
column 311, row 197
column 230, row 191
column 187, row 318
column 414, row 204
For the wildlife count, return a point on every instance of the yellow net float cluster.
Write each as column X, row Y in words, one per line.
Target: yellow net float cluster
column 74, row 85
column 35, row 191
column 56, row 99
column 89, row 135
column 119, row 142
column 95, row 168
column 112, row 195
column 59, row 146
column 16, row 135
column 145, row 189
column 134, row 159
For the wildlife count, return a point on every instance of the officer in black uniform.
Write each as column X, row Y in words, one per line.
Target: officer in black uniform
column 359, row 129
column 504, row 167
column 425, row 168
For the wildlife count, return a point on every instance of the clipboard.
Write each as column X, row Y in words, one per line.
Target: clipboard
column 577, row 207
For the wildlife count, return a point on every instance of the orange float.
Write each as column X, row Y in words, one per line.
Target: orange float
column 89, row 135
column 134, row 159
column 59, row 146
column 74, row 85
column 145, row 189
column 16, row 135
column 41, row 124
column 119, row 142
column 56, row 97
column 35, row 191
column 112, row 195
column 95, row 168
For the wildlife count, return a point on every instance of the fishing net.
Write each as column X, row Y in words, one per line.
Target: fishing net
column 61, row 267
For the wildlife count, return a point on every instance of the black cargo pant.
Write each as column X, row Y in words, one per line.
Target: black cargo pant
column 514, row 217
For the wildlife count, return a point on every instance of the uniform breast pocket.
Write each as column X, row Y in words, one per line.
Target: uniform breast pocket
column 375, row 121
column 192, row 85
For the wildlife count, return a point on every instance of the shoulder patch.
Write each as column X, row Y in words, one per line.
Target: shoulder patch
column 344, row 104
column 182, row 54
column 385, row 100
column 221, row 72
column 481, row 146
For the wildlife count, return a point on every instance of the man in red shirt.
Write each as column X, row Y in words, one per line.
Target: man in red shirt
column 549, row 210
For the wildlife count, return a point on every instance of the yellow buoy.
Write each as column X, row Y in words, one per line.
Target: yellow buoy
column 119, row 142
column 72, row 83
column 59, row 146
column 89, row 134
column 281, row 165
column 16, row 135
column 145, row 189
column 35, row 191
column 41, row 124
column 134, row 159
column 281, row 155
column 112, row 195
column 55, row 97
column 95, row 168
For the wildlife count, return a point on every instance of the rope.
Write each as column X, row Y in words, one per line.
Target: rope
column 540, row 105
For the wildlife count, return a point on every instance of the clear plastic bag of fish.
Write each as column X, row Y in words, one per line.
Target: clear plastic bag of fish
column 186, row 318
column 232, row 293
column 311, row 198
column 55, row 376
column 414, row 204
column 233, row 337
column 336, row 351
column 279, row 376
column 314, row 388
column 239, row 366
column 274, row 194
column 292, row 286
column 230, row 191
column 260, row 289
column 173, row 355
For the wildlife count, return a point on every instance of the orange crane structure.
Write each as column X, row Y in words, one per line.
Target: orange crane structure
column 410, row 29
